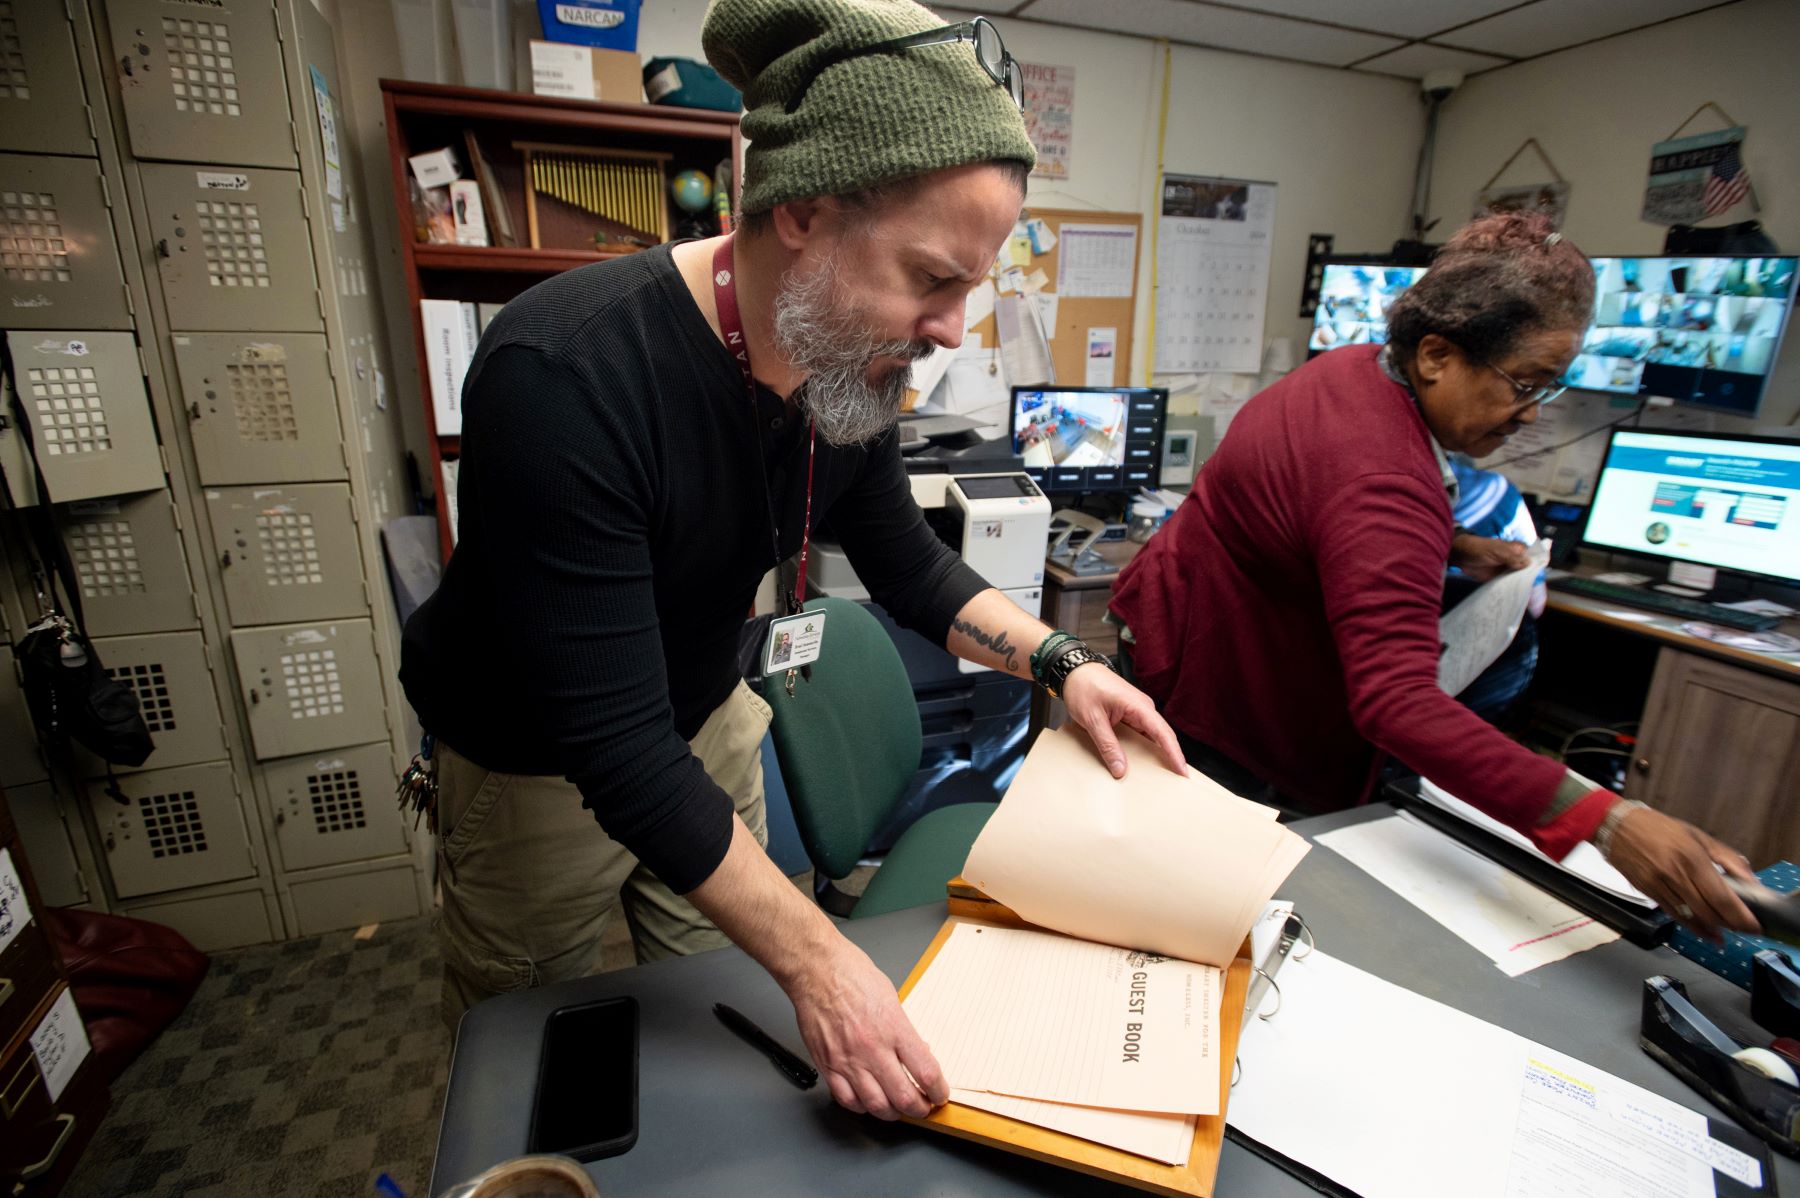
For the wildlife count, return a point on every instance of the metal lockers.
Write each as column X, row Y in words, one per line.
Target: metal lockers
column 334, row 808
column 260, row 406
column 287, row 553
column 232, row 249
column 45, row 829
column 202, row 83
column 42, row 107
column 177, row 828
column 167, row 671
column 20, row 761
column 90, row 416
column 129, row 564
column 309, row 687
column 58, row 263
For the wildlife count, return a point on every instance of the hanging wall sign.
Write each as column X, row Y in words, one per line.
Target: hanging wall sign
column 1050, row 117
column 1549, row 199
column 1696, row 177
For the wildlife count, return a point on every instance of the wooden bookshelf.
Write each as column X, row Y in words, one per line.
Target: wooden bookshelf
column 427, row 116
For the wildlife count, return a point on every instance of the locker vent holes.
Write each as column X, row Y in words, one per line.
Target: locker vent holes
column 31, row 238
column 172, row 824
column 312, row 684
column 263, row 401
column 232, row 235
column 152, row 692
column 337, row 804
column 12, row 58
column 68, row 409
column 204, row 78
column 106, row 559
column 290, row 551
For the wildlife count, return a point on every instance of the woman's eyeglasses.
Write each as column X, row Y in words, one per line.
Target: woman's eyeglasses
column 1527, row 394
column 990, row 52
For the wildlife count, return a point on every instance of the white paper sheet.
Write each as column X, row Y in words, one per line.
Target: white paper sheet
column 1393, row 1095
column 928, row 371
column 1516, row 925
column 1476, row 631
column 1584, row 860
column 60, row 1044
column 1165, row 1138
column 1212, row 279
column 1023, row 347
column 1170, row 863
column 980, row 304
column 1038, row 1015
column 15, row 909
column 1097, row 260
column 1102, row 356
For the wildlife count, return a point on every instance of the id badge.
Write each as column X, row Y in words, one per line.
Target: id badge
column 794, row 641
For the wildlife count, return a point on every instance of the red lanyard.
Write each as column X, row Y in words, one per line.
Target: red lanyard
column 732, row 326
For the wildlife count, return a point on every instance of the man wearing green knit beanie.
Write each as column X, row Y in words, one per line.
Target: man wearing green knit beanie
column 643, row 440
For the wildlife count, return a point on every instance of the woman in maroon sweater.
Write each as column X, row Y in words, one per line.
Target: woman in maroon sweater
column 1286, row 617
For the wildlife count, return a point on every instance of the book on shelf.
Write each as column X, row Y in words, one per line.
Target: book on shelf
column 452, row 331
column 448, row 482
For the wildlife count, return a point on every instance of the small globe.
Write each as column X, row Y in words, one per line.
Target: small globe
column 692, row 191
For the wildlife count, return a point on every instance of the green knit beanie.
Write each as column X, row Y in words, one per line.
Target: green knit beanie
column 866, row 120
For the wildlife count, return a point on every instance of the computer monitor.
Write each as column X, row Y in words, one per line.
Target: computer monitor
column 1731, row 502
column 1353, row 303
column 1698, row 330
column 1090, row 438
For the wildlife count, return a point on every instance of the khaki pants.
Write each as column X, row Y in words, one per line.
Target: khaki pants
column 529, row 880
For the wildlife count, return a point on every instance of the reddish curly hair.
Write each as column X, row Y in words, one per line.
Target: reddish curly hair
column 1499, row 279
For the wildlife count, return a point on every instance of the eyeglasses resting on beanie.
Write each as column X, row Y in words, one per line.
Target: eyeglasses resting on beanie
column 990, row 52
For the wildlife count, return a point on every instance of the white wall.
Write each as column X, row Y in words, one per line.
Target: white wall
column 1598, row 109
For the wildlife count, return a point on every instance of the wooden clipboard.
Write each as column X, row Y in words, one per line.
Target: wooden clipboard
column 1193, row 1180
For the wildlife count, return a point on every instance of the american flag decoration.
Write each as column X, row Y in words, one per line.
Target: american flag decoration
column 1728, row 183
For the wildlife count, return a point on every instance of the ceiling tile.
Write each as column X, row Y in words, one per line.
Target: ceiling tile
column 1416, row 60
column 1552, row 24
column 1408, row 18
column 1224, row 28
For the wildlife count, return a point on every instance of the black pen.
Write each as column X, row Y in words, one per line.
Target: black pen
column 791, row 1066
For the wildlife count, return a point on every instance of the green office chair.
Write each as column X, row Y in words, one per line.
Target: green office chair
column 848, row 742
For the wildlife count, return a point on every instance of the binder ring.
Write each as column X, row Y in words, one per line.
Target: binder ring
column 1275, row 986
column 1306, row 935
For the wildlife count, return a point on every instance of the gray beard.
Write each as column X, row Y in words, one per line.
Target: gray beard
column 819, row 332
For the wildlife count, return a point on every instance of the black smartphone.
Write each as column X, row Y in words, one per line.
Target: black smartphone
column 586, row 1102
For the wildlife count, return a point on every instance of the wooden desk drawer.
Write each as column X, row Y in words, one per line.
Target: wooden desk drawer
column 27, row 974
column 40, row 1135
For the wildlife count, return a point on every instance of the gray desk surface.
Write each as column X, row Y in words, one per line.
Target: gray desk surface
column 715, row 1117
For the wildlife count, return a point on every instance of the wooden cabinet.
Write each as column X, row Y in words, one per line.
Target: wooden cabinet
column 52, row 1097
column 1720, row 747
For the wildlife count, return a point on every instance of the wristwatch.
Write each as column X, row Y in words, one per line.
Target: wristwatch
column 1058, row 669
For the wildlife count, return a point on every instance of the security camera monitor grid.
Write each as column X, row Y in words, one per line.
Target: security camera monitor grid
column 1353, row 303
column 1702, row 331
column 1731, row 502
column 1090, row 438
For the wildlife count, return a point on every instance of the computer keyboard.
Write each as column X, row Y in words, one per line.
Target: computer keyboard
column 1668, row 605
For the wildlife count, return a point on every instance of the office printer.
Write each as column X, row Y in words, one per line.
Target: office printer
column 999, row 523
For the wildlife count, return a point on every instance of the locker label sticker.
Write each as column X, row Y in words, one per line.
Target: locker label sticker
column 95, row 507
column 221, row 181
column 15, row 910
column 263, row 351
column 60, row 1044
column 73, row 349
column 306, row 636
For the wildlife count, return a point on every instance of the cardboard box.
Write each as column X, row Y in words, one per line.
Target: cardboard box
column 584, row 73
column 609, row 24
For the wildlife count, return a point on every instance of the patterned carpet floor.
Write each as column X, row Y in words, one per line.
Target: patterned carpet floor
column 301, row 1068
